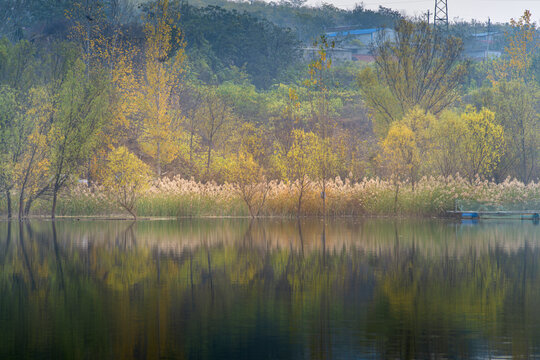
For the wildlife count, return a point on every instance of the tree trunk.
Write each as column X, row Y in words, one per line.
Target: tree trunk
column 250, row 208
column 323, row 195
column 87, row 50
column 23, row 185
column 299, row 202
column 191, row 148
column 8, row 200
column 208, row 159
column 131, row 211
column 27, row 206
column 524, row 176
column 396, row 198
column 158, row 159
column 21, row 204
column 266, row 189
column 53, row 209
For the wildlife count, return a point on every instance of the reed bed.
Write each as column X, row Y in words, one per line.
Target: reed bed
column 431, row 196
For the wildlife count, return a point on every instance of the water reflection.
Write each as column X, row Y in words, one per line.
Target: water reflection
column 269, row 289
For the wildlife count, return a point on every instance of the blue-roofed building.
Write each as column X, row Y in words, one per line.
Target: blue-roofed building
column 486, row 35
column 351, row 43
column 352, row 32
column 484, row 45
column 357, row 40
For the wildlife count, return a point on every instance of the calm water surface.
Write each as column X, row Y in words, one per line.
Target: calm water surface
column 228, row 289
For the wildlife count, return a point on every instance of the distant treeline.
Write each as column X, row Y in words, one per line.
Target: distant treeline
column 262, row 38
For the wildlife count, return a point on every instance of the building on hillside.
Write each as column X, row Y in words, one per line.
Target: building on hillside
column 336, row 54
column 354, row 44
column 482, row 46
column 351, row 43
column 367, row 37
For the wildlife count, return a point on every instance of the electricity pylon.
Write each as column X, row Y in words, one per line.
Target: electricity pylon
column 440, row 18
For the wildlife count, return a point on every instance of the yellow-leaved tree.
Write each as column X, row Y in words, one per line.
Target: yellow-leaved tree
column 248, row 177
column 106, row 52
column 420, row 123
column 407, row 145
column 86, row 18
column 126, row 178
column 249, row 171
column 471, row 143
column 326, row 161
column 483, row 143
column 447, row 134
column 299, row 164
column 522, row 46
column 163, row 67
column 400, row 156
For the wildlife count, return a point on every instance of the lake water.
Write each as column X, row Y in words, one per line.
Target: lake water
column 272, row 289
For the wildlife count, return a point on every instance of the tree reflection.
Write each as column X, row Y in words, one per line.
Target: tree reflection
column 229, row 289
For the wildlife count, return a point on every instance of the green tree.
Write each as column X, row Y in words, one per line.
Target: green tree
column 9, row 141
column 285, row 115
column 17, row 65
column 416, row 68
column 515, row 105
column 32, row 169
column 229, row 39
column 217, row 121
column 17, row 74
column 80, row 110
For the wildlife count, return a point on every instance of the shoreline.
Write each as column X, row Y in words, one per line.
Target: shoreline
column 222, row 217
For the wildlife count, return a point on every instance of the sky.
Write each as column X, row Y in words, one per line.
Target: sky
column 497, row 10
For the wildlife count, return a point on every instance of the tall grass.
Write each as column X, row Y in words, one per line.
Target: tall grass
column 180, row 197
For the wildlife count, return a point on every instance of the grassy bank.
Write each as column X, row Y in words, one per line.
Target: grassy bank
column 179, row 197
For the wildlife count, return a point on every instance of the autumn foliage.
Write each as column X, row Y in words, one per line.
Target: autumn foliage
column 133, row 113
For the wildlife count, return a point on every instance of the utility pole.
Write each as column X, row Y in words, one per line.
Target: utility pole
column 488, row 39
column 428, row 14
column 440, row 17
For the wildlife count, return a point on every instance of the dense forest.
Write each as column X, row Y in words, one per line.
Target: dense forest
column 123, row 96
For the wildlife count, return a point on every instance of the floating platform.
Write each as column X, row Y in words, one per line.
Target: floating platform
column 533, row 215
